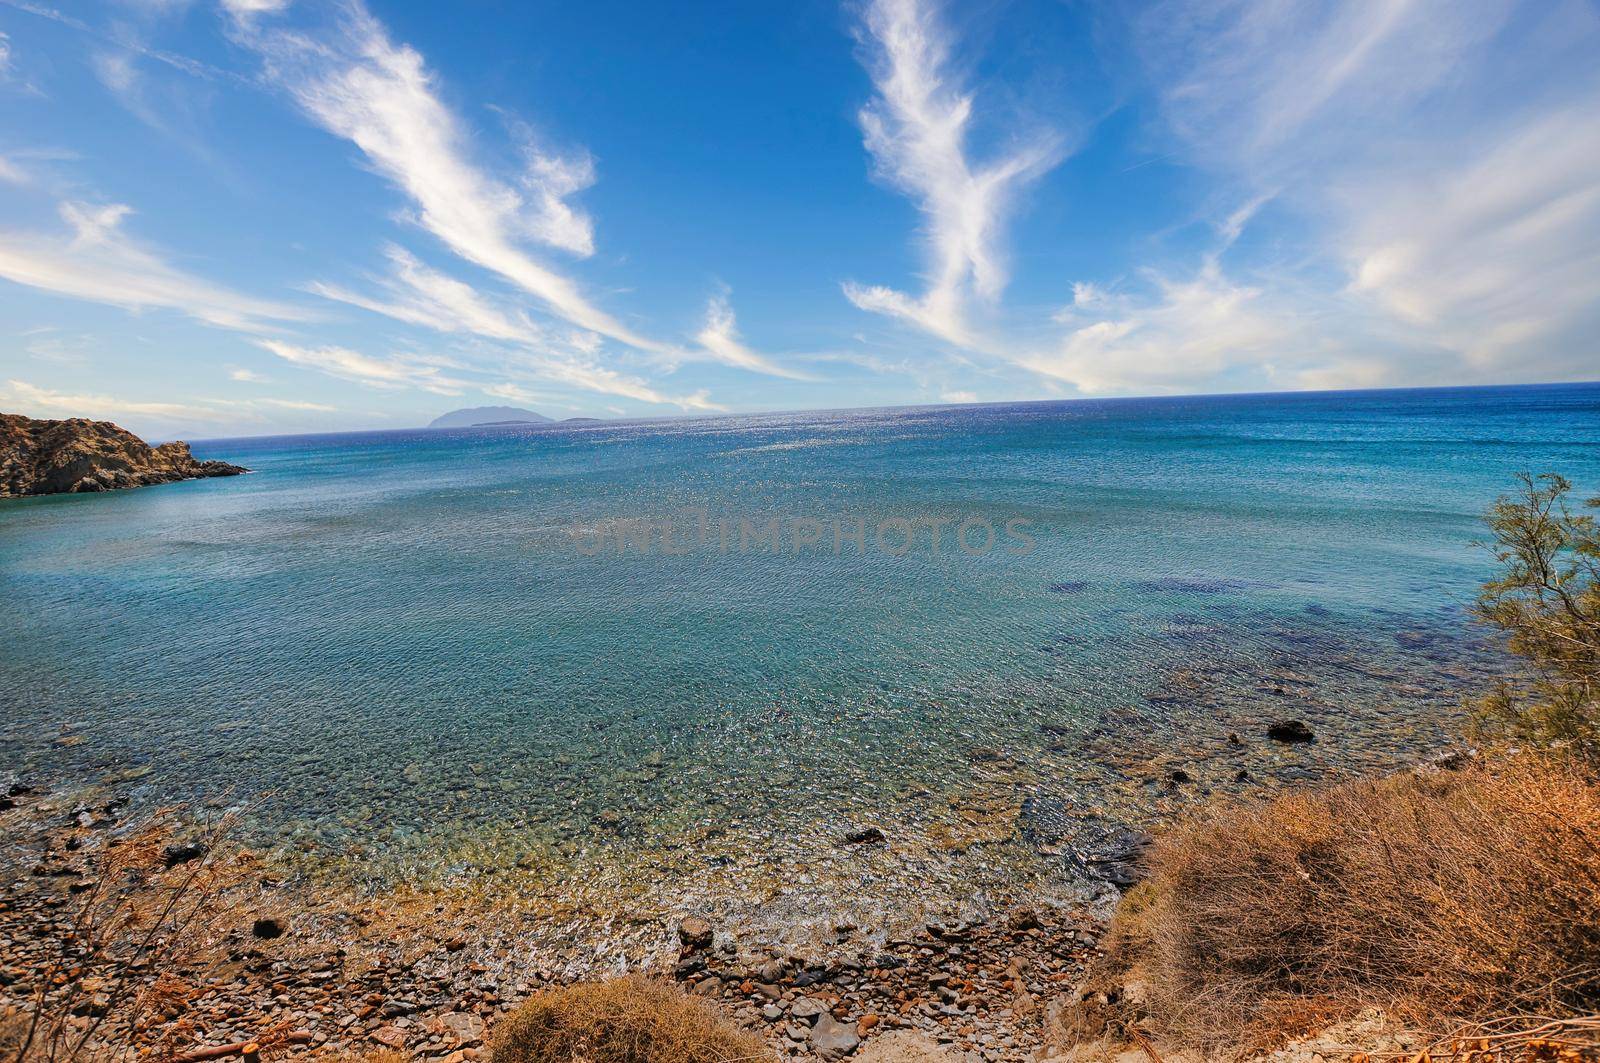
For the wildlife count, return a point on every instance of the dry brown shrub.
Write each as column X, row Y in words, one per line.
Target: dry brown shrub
column 1440, row 898
column 626, row 1020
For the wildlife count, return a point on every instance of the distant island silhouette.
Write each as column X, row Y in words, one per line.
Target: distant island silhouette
column 488, row 416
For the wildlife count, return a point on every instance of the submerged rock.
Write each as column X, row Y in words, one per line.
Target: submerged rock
column 1290, row 731
column 182, row 853
column 270, row 926
column 79, row 455
column 864, row 836
column 1115, row 856
column 695, row 932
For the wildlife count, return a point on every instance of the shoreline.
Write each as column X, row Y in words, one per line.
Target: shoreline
column 1006, row 820
column 862, row 916
column 427, row 971
column 356, row 965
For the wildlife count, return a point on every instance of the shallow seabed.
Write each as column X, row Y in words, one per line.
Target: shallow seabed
column 426, row 657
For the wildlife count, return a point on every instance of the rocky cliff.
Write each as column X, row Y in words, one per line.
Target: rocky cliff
column 50, row 457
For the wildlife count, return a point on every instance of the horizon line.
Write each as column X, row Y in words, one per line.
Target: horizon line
column 590, row 422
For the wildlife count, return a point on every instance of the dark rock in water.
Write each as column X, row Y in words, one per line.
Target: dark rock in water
column 695, row 932
column 1043, row 820
column 182, row 853
column 1190, row 585
column 864, row 836
column 1113, row 855
column 1071, row 586
column 79, row 455
column 270, row 926
column 1290, row 731
column 1450, row 760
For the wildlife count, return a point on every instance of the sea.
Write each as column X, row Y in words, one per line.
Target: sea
column 826, row 665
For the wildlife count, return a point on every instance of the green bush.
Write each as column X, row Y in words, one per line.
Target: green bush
column 1547, row 601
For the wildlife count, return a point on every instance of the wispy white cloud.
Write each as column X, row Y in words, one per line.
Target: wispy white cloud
column 11, row 80
column 1190, row 334
column 517, row 393
column 60, row 347
column 916, row 129
column 98, row 261
column 46, row 402
column 119, row 72
column 576, row 369
column 50, row 402
column 418, row 295
column 550, row 180
column 358, row 84
column 246, row 376
column 1439, row 154
column 396, row 371
column 720, row 339
column 1277, row 89
column 244, row 9
column 119, row 33
column 293, row 404
column 1497, row 258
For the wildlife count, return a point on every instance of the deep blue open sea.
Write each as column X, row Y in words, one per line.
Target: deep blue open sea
column 480, row 653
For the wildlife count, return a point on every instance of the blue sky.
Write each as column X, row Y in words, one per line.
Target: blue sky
column 250, row 216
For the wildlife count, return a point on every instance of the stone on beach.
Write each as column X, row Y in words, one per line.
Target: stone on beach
column 905, row 1046
column 832, row 1038
column 695, row 932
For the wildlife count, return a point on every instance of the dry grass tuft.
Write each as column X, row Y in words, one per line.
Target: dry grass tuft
column 1440, row 898
column 627, row 1020
column 1518, row 1039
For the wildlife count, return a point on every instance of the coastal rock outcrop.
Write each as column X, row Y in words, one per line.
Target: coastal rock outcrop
column 55, row 457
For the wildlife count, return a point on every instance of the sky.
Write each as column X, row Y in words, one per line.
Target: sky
column 242, row 217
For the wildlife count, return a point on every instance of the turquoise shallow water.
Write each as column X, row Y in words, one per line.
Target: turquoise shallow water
column 403, row 638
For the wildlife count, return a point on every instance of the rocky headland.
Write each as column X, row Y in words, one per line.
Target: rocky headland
column 39, row 457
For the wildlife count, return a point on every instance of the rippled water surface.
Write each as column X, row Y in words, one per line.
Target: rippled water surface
column 428, row 649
